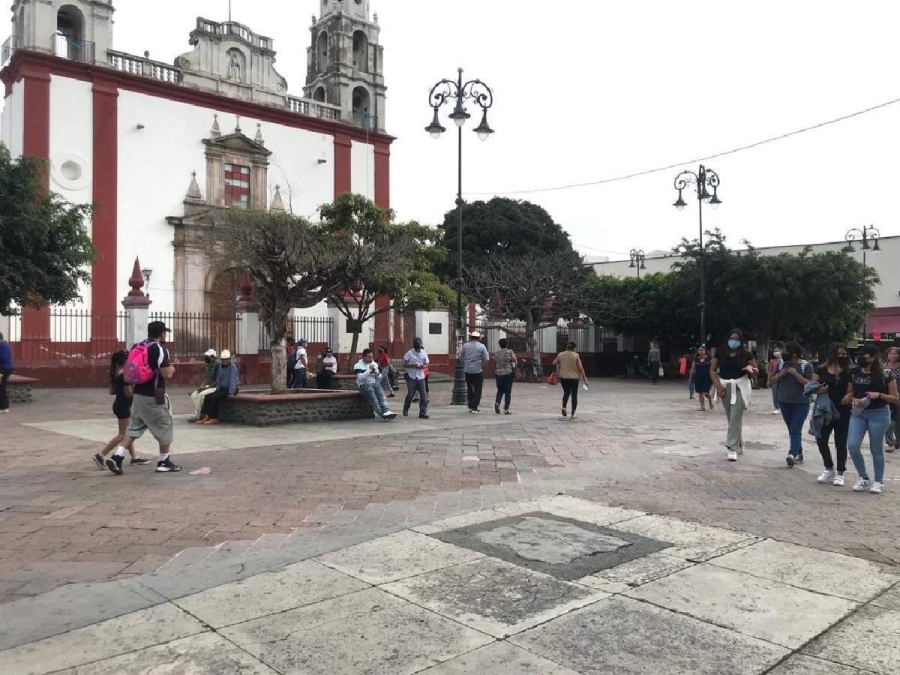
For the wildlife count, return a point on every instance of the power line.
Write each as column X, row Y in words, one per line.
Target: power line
column 697, row 159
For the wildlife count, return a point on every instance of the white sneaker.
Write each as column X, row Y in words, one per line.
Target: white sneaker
column 776, row 412
column 827, row 476
column 877, row 488
column 839, row 480
column 732, row 456
column 861, row 485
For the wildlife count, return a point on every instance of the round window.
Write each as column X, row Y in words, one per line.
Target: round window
column 70, row 170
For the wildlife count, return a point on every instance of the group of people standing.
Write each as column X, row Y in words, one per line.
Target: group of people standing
column 849, row 402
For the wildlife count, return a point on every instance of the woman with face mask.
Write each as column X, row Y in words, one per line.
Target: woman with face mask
column 833, row 378
column 773, row 367
column 893, row 365
column 792, row 377
column 871, row 391
column 731, row 369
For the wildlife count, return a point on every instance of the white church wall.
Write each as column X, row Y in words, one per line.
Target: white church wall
column 362, row 169
column 155, row 166
column 433, row 344
column 13, row 120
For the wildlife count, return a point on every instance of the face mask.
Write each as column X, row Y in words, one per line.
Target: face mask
column 734, row 344
column 777, row 355
column 863, row 361
column 843, row 361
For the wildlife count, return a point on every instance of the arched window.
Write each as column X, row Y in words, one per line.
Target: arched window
column 69, row 42
column 362, row 115
column 319, row 94
column 322, row 52
column 361, row 51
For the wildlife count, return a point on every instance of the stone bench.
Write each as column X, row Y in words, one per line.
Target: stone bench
column 20, row 388
column 263, row 409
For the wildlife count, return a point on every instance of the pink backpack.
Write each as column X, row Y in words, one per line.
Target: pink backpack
column 137, row 369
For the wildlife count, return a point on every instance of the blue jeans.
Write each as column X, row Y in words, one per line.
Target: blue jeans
column 299, row 379
column 774, row 388
column 691, row 389
column 413, row 387
column 876, row 423
column 504, row 389
column 375, row 396
column 795, row 415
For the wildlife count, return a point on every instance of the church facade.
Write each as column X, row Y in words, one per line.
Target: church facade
column 154, row 146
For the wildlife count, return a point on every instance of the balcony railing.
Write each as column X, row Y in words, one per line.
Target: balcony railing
column 8, row 49
column 305, row 106
column 233, row 28
column 74, row 50
column 136, row 65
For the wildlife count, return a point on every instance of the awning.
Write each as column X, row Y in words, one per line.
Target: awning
column 884, row 320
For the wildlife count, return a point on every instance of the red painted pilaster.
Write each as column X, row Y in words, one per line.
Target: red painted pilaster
column 36, row 143
column 382, row 199
column 342, row 146
column 104, row 231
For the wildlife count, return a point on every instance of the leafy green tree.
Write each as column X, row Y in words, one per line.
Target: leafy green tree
column 45, row 250
column 383, row 258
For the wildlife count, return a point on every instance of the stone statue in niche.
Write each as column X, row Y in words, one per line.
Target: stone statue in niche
column 234, row 65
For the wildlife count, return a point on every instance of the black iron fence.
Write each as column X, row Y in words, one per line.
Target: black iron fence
column 313, row 329
column 193, row 334
column 66, row 334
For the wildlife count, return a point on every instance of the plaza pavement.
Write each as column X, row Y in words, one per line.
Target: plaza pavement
column 321, row 549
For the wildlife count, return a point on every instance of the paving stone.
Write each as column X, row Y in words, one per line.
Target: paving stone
column 805, row 665
column 626, row 637
column 567, row 506
column 397, row 556
column 494, row 596
column 366, row 632
column 103, row 640
column 828, row 573
column 635, row 573
column 500, row 658
column 692, row 541
column 206, row 653
column 765, row 609
column 288, row 588
column 889, row 599
column 454, row 522
column 869, row 639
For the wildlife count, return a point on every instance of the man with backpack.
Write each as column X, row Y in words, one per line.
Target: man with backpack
column 147, row 370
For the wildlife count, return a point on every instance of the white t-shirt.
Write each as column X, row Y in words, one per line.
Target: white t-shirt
column 419, row 358
column 301, row 358
column 329, row 363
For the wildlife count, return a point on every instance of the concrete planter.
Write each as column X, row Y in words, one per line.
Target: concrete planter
column 263, row 409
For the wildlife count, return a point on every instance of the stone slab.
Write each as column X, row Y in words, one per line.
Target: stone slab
column 293, row 586
column 567, row 506
column 562, row 547
column 626, row 637
column 103, row 640
column 366, row 632
column 869, row 639
column 636, row 573
column 805, row 665
column 691, row 541
column 464, row 520
column 821, row 571
column 889, row 599
column 206, row 653
column 500, row 658
column 761, row 608
column 397, row 556
column 494, row 596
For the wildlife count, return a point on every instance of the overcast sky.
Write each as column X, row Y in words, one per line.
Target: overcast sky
column 591, row 89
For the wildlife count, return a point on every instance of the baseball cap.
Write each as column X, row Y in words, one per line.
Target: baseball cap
column 210, row 352
column 302, row 342
column 157, row 328
column 417, row 341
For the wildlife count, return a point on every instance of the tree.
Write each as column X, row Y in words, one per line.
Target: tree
column 499, row 226
column 292, row 263
column 44, row 246
column 383, row 258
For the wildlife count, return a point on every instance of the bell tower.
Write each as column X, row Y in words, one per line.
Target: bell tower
column 81, row 30
column 345, row 62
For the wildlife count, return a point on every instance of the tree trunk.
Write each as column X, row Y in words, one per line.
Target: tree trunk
column 354, row 344
column 534, row 345
column 279, row 368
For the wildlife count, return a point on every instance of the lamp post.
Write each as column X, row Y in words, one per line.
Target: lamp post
column 637, row 260
column 863, row 235
column 479, row 93
column 703, row 179
column 147, row 273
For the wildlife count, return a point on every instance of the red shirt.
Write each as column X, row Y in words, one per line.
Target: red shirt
column 384, row 360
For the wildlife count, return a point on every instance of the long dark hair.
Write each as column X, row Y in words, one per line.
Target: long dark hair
column 835, row 360
column 877, row 370
column 117, row 361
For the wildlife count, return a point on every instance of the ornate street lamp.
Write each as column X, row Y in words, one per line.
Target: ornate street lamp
column 863, row 235
column 704, row 180
column 477, row 92
column 637, row 260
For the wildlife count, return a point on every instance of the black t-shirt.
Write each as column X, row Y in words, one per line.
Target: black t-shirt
column 732, row 367
column 863, row 384
column 837, row 384
column 153, row 358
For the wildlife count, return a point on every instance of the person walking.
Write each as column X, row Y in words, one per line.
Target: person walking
column 792, row 376
column 686, row 369
column 368, row 379
column 653, row 362
column 150, row 408
column 571, row 373
column 301, row 364
column 209, row 384
column 730, row 370
column 892, row 440
column 328, row 369
column 416, row 361
column 387, row 371
column 6, row 371
column 474, row 357
column 504, row 367
column 227, row 383
column 701, row 377
column 870, row 391
column 121, row 409
column 833, row 378
column 772, row 367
